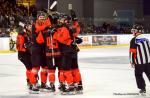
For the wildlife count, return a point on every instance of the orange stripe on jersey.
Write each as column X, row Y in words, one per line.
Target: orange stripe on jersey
column 53, row 54
column 39, row 38
column 133, row 50
column 20, row 43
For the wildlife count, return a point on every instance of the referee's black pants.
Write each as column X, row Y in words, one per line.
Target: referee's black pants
column 139, row 70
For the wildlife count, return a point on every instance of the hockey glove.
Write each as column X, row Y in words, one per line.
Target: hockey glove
column 27, row 45
column 78, row 40
column 72, row 30
column 51, row 30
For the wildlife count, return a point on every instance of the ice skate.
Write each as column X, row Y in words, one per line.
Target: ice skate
column 142, row 92
column 69, row 91
column 52, row 87
column 78, row 88
column 62, row 87
column 34, row 89
column 29, row 85
column 44, row 88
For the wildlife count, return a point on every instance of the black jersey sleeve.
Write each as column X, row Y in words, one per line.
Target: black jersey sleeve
column 132, row 51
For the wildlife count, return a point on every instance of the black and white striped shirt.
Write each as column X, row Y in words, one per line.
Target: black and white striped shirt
column 139, row 50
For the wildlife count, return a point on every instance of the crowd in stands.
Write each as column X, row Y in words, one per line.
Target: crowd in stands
column 4, row 33
column 11, row 13
column 105, row 28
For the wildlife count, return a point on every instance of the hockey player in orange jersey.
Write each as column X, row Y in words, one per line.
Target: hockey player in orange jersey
column 38, row 56
column 24, row 54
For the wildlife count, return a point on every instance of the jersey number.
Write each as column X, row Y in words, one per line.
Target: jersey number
column 50, row 44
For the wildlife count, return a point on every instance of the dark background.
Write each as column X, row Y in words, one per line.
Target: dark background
column 98, row 11
column 146, row 7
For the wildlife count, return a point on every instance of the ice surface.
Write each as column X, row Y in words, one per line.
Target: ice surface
column 105, row 72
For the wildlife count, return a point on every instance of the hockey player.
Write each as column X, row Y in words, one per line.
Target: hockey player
column 38, row 56
column 53, row 54
column 74, row 29
column 24, row 54
column 63, row 37
column 140, row 56
column 74, row 66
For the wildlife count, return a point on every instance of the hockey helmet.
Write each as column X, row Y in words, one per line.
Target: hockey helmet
column 137, row 29
column 41, row 15
column 63, row 18
column 54, row 17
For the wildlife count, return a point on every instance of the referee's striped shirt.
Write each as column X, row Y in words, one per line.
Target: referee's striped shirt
column 139, row 50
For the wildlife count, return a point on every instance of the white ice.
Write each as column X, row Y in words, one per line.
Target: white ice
column 105, row 72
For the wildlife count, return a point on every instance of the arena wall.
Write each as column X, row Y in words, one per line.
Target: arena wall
column 92, row 40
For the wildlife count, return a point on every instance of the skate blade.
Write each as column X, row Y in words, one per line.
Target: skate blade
column 68, row 93
column 53, row 93
column 44, row 90
column 33, row 92
column 143, row 94
column 79, row 92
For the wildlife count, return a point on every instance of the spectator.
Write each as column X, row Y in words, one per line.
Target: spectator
column 9, row 12
column 12, row 20
column 3, row 34
column 0, row 32
column 1, row 20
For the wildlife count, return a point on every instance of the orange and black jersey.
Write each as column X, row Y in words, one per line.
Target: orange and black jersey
column 77, row 27
column 63, row 36
column 51, row 45
column 20, row 43
column 23, row 41
column 38, row 28
column 23, row 47
column 36, row 38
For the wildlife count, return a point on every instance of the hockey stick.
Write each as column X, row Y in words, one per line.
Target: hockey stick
column 53, row 59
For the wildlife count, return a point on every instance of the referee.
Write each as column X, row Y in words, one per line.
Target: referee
column 140, row 56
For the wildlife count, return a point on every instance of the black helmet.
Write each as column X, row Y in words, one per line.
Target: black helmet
column 137, row 29
column 41, row 15
column 54, row 17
